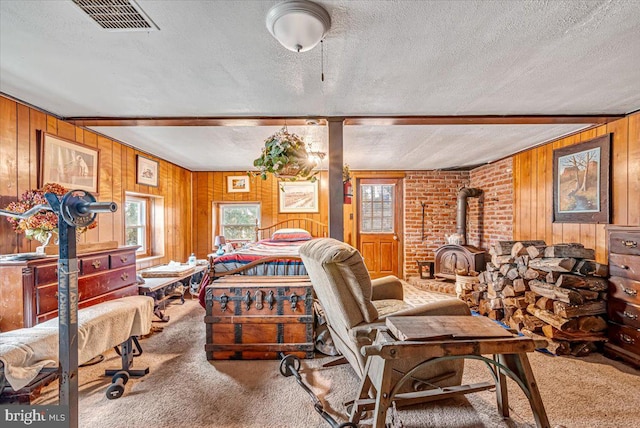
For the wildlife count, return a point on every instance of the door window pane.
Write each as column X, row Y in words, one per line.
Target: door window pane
column 376, row 208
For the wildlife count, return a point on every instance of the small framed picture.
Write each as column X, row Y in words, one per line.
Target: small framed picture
column 237, row 183
column 67, row 163
column 147, row 171
column 299, row 197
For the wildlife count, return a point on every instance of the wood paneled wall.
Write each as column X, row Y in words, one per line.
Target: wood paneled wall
column 210, row 188
column 533, row 191
column 19, row 129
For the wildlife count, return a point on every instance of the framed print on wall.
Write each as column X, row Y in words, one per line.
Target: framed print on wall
column 581, row 189
column 147, row 171
column 298, row 197
column 68, row 163
column 237, row 183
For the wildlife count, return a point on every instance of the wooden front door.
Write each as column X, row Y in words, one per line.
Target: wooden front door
column 379, row 218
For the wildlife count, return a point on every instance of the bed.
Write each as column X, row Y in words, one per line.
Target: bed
column 275, row 252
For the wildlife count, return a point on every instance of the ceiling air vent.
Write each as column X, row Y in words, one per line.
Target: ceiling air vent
column 117, row 15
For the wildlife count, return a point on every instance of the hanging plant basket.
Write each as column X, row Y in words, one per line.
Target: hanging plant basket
column 285, row 156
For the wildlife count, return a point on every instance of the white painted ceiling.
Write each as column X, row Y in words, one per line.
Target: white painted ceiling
column 216, row 58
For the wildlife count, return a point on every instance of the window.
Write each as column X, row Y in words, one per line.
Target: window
column 238, row 221
column 137, row 211
column 377, row 208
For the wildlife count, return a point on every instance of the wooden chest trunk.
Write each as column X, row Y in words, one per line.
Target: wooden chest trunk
column 257, row 317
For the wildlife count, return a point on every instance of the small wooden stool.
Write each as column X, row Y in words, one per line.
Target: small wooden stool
column 441, row 338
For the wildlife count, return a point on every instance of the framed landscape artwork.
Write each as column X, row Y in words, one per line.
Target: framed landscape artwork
column 67, row 163
column 147, row 171
column 237, row 183
column 581, row 189
column 299, row 197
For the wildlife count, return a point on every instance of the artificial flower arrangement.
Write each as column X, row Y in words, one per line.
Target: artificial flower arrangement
column 285, row 156
column 44, row 224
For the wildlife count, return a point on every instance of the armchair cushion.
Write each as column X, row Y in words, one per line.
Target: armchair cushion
column 387, row 287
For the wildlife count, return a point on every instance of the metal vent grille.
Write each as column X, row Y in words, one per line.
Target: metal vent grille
column 117, row 15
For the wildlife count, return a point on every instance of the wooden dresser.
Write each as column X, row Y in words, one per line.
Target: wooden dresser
column 257, row 317
column 623, row 306
column 29, row 289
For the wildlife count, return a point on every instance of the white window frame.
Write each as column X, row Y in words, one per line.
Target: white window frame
column 222, row 207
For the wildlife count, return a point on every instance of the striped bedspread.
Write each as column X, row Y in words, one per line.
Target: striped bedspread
column 283, row 265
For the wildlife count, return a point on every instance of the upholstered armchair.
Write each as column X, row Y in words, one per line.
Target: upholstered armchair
column 353, row 303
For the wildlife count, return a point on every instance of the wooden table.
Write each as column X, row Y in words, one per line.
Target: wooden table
column 445, row 338
column 152, row 286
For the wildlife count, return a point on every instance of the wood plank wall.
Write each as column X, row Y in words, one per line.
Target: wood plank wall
column 533, row 191
column 210, row 188
column 19, row 126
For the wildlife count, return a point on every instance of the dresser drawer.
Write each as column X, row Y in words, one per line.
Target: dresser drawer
column 624, row 289
column 624, row 265
column 625, row 337
column 625, row 243
column 46, row 274
column 122, row 259
column 94, row 264
column 624, row 313
column 88, row 287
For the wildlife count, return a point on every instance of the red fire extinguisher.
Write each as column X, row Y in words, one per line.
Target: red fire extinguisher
column 348, row 191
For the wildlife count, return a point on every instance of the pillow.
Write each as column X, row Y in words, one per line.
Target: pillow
column 291, row 235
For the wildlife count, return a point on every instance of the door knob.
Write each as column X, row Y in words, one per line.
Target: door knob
column 395, row 237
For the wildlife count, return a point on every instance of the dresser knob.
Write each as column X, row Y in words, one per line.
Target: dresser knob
column 123, row 259
column 96, row 264
column 630, row 315
column 629, row 291
column 124, row 276
column 627, row 339
column 630, row 244
column 625, row 267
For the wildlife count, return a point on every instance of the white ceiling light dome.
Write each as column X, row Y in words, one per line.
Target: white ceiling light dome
column 299, row 25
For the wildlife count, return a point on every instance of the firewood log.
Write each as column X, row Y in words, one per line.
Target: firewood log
column 587, row 294
column 522, row 270
column 476, row 296
column 519, row 286
column 555, row 347
column 577, row 251
column 591, row 323
column 501, row 248
column 509, row 301
column 558, row 322
column 594, row 307
column 545, row 303
column 512, row 274
column 518, row 315
column 530, row 297
column 501, row 260
column 556, row 293
column 508, row 311
column 496, row 314
column 590, row 267
column 589, row 282
column 576, row 336
column 552, row 277
column 515, row 324
column 491, row 267
column 521, row 302
column 495, row 304
column 508, row 291
column 535, row 251
column 553, row 264
column 481, row 277
column 518, row 249
column 531, row 274
column 583, row 349
column 533, row 323
column 505, row 268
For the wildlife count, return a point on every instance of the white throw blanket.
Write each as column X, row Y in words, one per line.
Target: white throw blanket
column 26, row 351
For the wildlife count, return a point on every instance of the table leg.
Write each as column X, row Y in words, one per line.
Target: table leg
column 502, row 394
column 519, row 365
column 365, row 387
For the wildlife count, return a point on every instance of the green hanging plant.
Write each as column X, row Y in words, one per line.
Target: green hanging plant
column 285, row 156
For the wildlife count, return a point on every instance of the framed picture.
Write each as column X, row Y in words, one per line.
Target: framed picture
column 581, row 182
column 298, row 197
column 147, row 171
column 237, row 183
column 67, row 163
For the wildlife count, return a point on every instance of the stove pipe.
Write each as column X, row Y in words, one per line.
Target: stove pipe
column 461, row 209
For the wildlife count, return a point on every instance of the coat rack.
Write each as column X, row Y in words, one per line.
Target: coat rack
column 75, row 209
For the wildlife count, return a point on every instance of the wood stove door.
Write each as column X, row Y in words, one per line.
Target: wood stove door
column 379, row 218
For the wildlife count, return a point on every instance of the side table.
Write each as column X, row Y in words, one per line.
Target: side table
column 509, row 359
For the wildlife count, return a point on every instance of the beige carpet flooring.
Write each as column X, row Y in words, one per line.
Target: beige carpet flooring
column 183, row 389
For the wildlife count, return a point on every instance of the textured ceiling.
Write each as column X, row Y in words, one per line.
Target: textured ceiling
column 216, row 58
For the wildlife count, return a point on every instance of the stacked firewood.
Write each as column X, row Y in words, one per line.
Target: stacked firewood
column 557, row 291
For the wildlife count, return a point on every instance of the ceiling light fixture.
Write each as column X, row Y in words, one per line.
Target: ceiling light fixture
column 299, row 25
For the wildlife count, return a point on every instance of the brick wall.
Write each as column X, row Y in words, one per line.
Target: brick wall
column 489, row 218
column 438, row 190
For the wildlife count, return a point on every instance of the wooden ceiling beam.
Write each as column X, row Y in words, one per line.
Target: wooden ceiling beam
column 354, row 120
